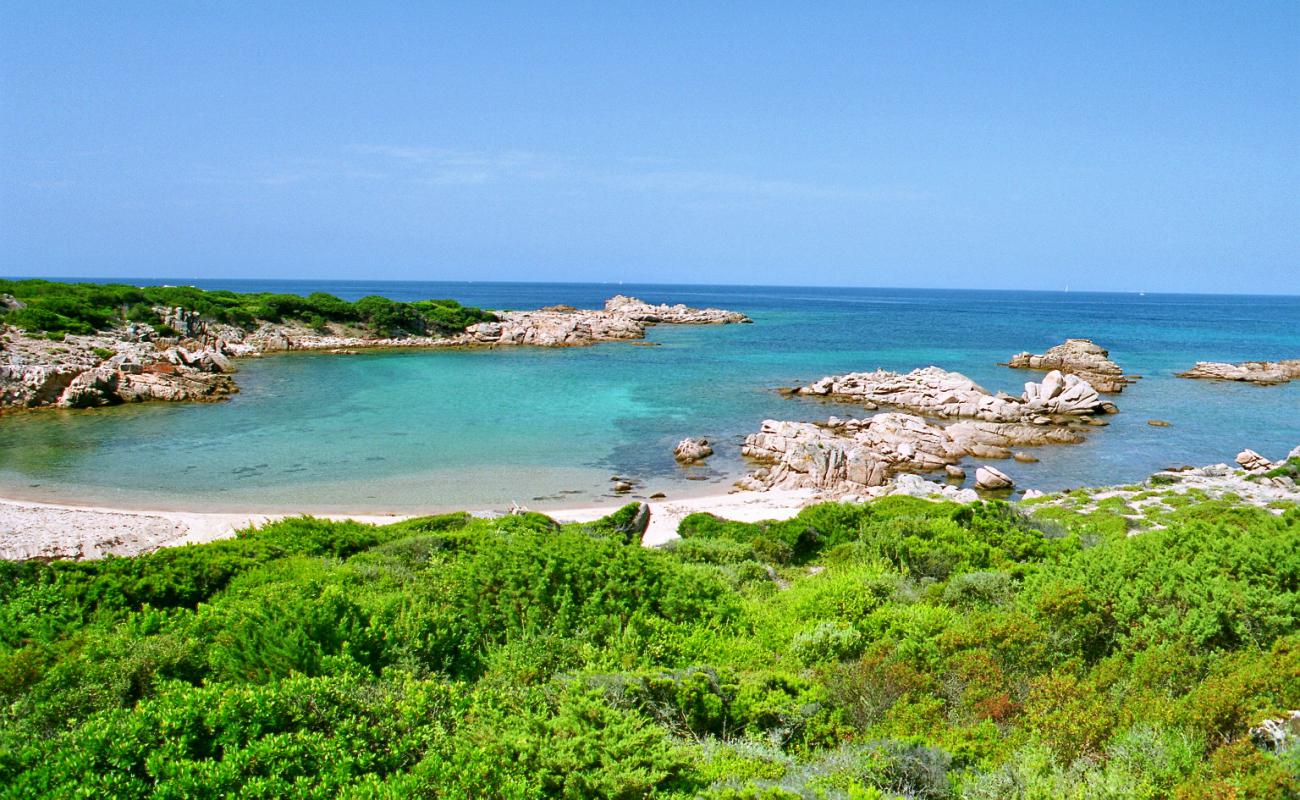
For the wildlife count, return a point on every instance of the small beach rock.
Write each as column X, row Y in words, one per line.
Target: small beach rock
column 658, row 496
column 992, row 478
column 1158, row 423
column 1030, row 494
column 955, row 472
column 1252, row 461
column 623, row 487
column 1025, row 458
column 691, row 451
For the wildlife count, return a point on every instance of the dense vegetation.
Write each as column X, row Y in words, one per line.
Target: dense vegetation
column 61, row 308
column 897, row 649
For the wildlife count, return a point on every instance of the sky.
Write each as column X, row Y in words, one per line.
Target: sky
column 1109, row 146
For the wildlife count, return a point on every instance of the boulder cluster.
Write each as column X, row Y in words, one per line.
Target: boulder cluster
column 1264, row 373
column 938, row 393
column 944, row 417
column 1081, row 357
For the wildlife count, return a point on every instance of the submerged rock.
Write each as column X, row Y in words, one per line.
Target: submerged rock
column 1080, row 357
column 1264, row 373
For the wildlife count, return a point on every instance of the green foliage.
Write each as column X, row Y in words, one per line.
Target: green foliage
column 901, row 648
column 84, row 308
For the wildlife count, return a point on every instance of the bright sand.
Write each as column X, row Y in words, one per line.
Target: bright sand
column 46, row 530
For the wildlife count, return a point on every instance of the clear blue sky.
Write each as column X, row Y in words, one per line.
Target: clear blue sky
column 1129, row 146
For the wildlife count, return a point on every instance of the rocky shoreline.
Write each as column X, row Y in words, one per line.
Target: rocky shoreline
column 136, row 362
column 46, row 531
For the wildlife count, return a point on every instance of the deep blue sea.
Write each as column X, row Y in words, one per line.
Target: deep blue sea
column 437, row 430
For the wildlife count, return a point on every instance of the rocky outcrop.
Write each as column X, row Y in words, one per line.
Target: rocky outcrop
column 555, row 328
column 692, row 451
column 135, row 362
column 1080, row 357
column 632, row 308
column 1264, row 373
column 937, row 393
column 850, row 456
column 1251, row 461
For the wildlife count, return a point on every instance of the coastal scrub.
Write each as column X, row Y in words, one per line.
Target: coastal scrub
column 896, row 649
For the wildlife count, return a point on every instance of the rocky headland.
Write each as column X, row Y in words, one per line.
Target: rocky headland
column 1263, row 373
column 189, row 357
column 1080, row 357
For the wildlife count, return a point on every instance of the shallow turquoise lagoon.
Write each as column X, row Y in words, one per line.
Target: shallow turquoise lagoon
column 425, row 431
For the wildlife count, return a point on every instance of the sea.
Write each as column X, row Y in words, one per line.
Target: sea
column 430, row 431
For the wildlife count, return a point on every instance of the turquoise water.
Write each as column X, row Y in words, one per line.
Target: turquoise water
column 425, row 431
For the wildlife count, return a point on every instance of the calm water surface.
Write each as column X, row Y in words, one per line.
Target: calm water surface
column 425, row 431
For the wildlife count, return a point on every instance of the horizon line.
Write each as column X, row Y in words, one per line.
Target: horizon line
column 139, row 281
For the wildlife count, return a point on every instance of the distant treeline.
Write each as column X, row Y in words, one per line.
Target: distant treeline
column 57, row 309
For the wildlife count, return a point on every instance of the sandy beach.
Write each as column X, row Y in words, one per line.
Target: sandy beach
column 49, row 530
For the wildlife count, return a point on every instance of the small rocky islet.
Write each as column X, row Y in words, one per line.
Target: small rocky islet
column 1079, row 357
column 1261, row 373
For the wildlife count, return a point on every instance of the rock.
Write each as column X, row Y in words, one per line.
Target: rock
column 632, row 529
column 658, row 496
column 564, row 326
column 1079, row 357
column 955, row 472
column 916, row 486
column 1030, row 494
column 633, row 308
column 1295, row 453
column 992, row 478
column 1264, row 373
column 1252, row 461
column 1025, row 458
column 623, row 487
column 35, row 384
column 851, row 456
column 691, row 451
column 1157, row 423
column 1278, row 733
column 94, row 387
column 11, row 303
column 934, row 392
